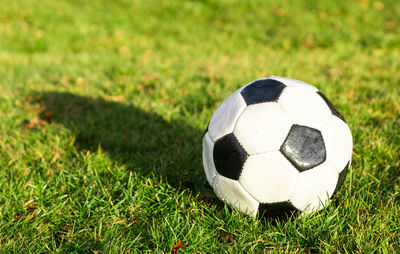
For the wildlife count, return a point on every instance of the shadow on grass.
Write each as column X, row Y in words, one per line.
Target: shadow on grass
column 143, row 141
column 88, row 247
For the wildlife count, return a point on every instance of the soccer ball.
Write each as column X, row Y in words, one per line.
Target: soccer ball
column 276, row 146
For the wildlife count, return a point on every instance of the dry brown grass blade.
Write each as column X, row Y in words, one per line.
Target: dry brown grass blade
column 175, row 249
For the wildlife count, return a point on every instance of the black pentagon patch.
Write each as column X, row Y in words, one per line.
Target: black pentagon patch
column 333, row 110
column 229, row 156
column 342, row 177
column 274, row 210
column 304, row 147
column 264, row 90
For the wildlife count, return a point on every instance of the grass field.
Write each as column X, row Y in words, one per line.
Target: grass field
column 103, row 105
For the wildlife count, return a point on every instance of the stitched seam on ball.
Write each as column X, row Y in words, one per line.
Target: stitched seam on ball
column 294, row 188
column 247, row 154
column 327, row 122
column 251, row 196
column 234, row 125
column 287, row 114
column 265, row 152
column 333, row 166
column 253, row 105
column 293, row 122
column 248, row 192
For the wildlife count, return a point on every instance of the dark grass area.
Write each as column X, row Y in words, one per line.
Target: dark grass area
column 143, row 141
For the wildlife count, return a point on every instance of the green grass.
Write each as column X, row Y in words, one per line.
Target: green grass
column 118, row 94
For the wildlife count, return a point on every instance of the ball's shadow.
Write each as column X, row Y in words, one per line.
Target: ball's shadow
column 143, row 141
